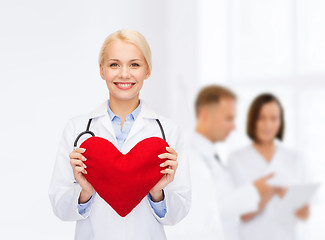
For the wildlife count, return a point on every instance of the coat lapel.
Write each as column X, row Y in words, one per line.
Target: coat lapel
column 103, row 117
column 138, row 125
column 140, row 122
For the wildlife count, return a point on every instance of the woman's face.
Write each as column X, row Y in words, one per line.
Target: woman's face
column 124, row 69
column 268, row 123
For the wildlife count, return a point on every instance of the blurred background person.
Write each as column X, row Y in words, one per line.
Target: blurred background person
column 216, row 203
column 265, row 125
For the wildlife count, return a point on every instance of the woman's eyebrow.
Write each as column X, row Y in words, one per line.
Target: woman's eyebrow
column 136, row 59
column 112, row 59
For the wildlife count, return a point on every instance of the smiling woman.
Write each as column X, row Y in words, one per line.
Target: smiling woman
column 125, row 62
column 124, row 120
column 124, row 68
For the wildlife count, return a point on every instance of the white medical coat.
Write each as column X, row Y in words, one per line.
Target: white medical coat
column 101, row 221
column 246, row 165
column 216, row 203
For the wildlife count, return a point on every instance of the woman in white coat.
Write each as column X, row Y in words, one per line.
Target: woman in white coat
column 124, row 120
column 266, row 123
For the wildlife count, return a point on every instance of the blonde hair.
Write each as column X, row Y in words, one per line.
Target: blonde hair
column 130, row 36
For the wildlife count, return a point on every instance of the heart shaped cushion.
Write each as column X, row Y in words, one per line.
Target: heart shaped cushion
column 123, row 180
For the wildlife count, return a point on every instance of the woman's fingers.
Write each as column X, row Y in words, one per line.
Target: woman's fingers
column 78, row 169
column 171, row 163
column 171, row 154
column 77, row 159
column 168, row 156
column 77, row 155
column 168, row 171
column 80, row 150
column 78, row 166
column 76, row 162
column 171, row 150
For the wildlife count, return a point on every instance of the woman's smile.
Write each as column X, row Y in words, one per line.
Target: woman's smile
column 124, row 85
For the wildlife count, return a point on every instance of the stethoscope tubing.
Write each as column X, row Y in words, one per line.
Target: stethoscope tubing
column 93, row 134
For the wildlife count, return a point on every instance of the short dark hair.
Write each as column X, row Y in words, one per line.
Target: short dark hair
column 254, row 112
column 212, row 94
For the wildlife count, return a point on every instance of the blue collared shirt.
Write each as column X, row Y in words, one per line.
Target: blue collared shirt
column 121, row 135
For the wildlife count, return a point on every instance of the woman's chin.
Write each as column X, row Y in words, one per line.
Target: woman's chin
column 266, row 140
column 124, row 97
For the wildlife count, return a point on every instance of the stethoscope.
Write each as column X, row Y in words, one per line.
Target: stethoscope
column 93, row 134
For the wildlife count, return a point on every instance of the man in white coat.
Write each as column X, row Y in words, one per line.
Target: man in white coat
column 216, row 204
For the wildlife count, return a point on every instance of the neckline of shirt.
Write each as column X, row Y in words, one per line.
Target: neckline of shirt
column 262, row 157
column 132, row 115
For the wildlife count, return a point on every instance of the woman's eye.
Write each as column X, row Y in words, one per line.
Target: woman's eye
column 135, row 65
column 113, row 65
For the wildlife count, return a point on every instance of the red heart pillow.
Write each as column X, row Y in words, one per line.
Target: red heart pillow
column 123, row 180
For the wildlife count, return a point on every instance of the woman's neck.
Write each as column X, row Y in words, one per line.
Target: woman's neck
column 122, row 108
column 266, row 149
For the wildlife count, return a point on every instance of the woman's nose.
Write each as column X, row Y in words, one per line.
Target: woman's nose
column 125, row 72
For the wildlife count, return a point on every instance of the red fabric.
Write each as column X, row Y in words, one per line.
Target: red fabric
column 123, row 180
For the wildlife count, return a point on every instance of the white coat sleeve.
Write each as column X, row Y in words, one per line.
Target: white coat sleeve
column 64, row 192
column 177, row 193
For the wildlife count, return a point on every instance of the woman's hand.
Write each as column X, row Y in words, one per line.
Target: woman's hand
column 302, row 213
column 264, row 189
column 266, row 193
column 79, row 168
column 262, row 204
column 171, row 163
column 280, row 191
